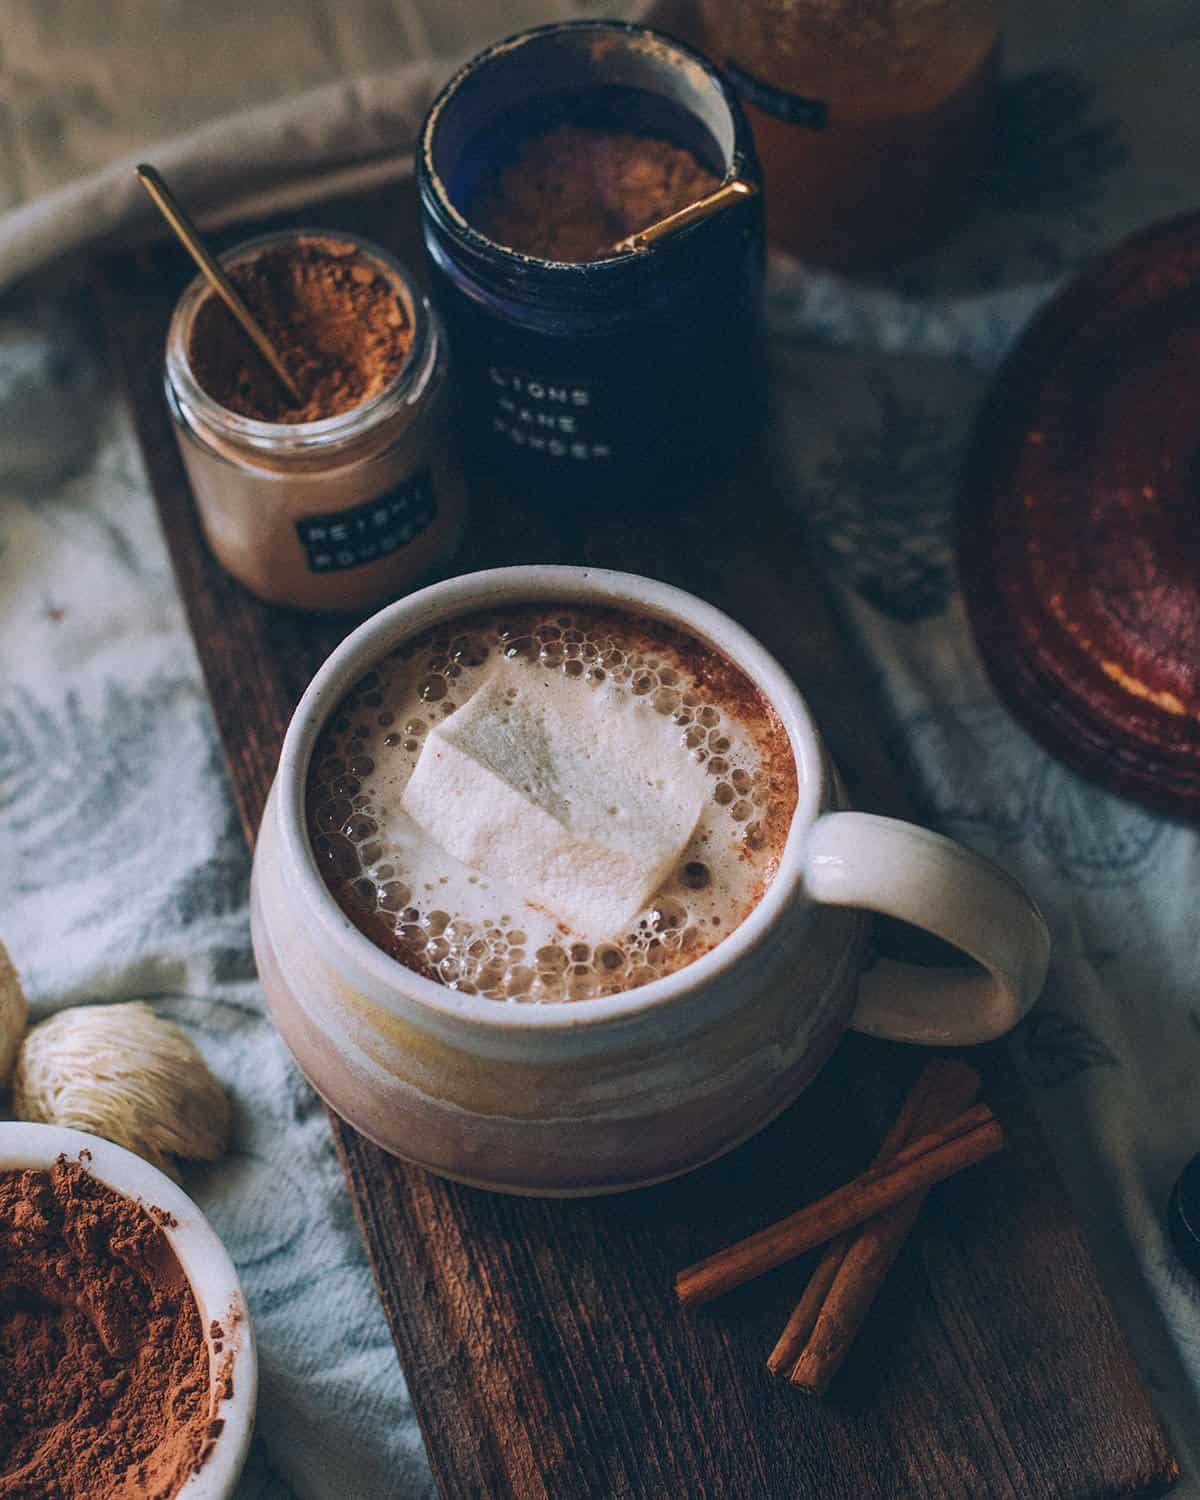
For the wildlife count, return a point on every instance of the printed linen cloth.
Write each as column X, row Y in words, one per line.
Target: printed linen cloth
column 123, row 872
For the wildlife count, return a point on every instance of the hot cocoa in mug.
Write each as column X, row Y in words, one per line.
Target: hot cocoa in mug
column 650, row 768
column 556, row 891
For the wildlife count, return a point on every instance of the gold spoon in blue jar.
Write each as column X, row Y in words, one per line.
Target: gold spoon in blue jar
column 711, row 203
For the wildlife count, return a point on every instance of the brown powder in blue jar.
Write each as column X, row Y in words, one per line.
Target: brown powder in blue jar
column 574, row 191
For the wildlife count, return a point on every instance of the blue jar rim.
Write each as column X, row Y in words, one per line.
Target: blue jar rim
column 572, row 279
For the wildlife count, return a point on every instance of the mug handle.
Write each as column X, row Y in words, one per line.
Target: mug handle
column 885, row 865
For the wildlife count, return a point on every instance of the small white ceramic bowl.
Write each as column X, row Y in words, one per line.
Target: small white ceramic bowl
column 205, row 1262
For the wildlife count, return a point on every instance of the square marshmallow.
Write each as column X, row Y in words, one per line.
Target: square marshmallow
column 581, row 798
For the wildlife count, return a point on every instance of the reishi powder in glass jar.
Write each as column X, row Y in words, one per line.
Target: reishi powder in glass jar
column 345, row 501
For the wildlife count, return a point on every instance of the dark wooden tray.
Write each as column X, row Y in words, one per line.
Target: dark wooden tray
column 540, row 1340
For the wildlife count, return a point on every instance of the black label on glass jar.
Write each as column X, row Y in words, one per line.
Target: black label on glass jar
column 795, row 108
column 374, row 529
column 552, row 415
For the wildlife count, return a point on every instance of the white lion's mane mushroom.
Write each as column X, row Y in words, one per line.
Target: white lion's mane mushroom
column 14, row 1015
column 125, row 1074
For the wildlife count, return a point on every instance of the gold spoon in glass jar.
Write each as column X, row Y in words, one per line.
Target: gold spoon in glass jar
column 212, row 271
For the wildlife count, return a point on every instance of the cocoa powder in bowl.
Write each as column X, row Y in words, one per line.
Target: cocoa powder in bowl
column 105, row 1387
column 337, row 321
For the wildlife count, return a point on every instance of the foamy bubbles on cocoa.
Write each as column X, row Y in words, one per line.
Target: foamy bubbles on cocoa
column 458, row 927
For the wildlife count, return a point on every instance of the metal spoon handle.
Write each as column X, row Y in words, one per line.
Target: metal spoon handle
column 711, row 203
column 215, row 275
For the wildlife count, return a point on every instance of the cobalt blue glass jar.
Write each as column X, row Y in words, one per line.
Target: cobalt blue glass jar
column 625, row 380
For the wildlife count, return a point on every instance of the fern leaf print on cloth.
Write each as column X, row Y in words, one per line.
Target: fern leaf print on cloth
column 1053, row 1048
column 1052, row 153
column 1053, row 191
column 875, row 463
column 978, row 776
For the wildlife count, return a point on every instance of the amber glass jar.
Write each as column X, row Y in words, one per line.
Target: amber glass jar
column 869, row 115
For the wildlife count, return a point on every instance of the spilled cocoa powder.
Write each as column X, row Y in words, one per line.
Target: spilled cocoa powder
column 105, row 1391
column 337, row 321
column 573, row 192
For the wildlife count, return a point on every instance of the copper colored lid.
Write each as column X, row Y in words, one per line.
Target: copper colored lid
column 1079, row 522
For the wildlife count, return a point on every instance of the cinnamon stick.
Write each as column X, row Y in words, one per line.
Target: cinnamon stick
column 853, row 1289
column 943, row 1089
column 970, row 1138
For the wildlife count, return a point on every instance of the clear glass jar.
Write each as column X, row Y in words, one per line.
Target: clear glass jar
column 339, row 514
column 869, row 115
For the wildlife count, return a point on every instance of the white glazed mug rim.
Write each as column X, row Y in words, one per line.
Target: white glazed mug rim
column 395, row 985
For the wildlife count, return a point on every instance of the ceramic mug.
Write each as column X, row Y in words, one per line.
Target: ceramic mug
column 599, row 1095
